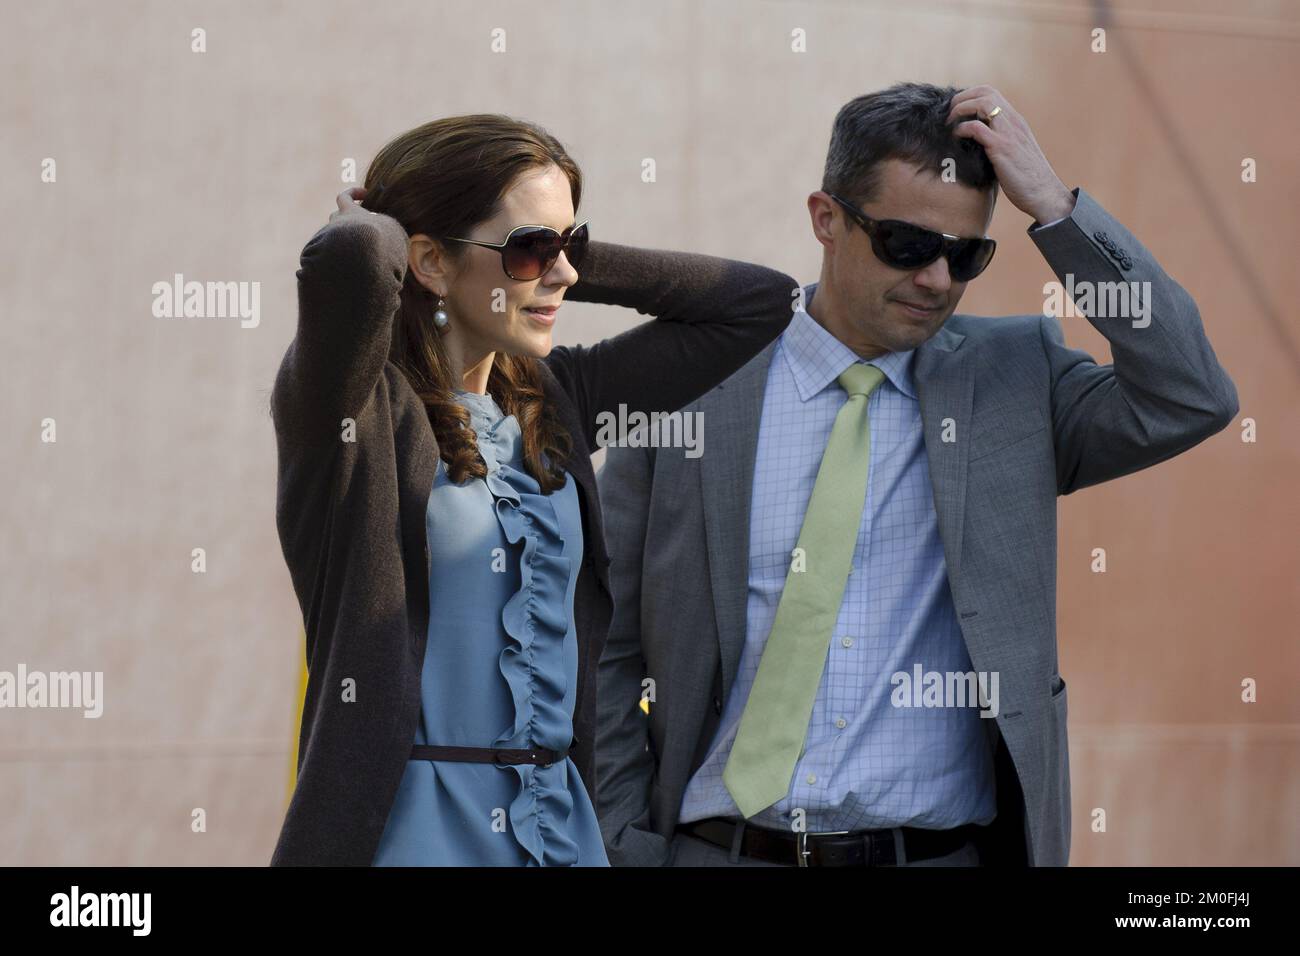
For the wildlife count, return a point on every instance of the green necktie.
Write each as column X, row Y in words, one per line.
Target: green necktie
column 774, row 724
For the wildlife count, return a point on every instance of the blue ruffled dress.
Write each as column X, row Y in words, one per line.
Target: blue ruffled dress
column 500, row 670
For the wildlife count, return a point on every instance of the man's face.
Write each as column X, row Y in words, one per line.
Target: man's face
column 872, row 307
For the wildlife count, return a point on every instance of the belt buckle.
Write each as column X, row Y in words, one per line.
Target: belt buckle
column 802, row 852
column 506, row 756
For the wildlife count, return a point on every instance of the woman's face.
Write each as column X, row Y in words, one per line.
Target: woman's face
column 487, row 310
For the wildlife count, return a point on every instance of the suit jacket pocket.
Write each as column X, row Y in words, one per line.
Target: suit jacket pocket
column 1000, row 427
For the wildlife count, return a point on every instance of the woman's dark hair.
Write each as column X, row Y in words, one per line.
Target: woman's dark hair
column 907, row 121
column 443, row 179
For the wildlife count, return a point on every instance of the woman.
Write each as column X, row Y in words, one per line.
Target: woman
column 436, row 503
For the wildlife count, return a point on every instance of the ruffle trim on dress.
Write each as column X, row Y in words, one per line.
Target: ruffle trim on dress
column 536, row 612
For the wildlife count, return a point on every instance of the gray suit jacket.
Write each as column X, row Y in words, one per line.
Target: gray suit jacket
column 1034, row 420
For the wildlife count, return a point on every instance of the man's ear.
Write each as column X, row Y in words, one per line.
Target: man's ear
column 822, row 212
column 430, row 263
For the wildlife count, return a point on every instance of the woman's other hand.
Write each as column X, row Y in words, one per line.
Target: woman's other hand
column 349, row 203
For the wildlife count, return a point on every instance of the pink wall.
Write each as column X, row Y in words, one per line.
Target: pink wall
column 220, row 165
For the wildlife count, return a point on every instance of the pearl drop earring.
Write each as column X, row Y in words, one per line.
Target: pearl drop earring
column 440, row 316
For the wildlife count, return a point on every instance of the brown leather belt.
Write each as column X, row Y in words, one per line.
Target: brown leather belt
column 537, row 755
column 837, row 848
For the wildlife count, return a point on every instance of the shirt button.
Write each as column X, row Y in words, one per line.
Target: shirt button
column 846, row 641
column 812, row 778
column 841, row 723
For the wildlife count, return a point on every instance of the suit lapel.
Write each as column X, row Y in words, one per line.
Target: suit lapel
column 731, row 414
column 945, row 384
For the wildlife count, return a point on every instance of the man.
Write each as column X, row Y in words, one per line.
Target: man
column 873, row 527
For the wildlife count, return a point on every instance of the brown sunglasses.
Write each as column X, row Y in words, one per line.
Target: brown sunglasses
column 529, row 251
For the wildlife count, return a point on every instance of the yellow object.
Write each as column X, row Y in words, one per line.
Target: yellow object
column 300, row 698
column 645, row 704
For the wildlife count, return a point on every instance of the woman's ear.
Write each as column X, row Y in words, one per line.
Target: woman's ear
column 430, row 263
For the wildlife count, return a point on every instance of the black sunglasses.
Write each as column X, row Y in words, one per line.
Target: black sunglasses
column 902, row 245
column 530, row 251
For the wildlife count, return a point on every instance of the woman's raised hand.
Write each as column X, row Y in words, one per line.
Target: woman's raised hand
column 349, row 202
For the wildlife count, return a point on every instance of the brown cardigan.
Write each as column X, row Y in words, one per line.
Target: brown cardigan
column 351, row 514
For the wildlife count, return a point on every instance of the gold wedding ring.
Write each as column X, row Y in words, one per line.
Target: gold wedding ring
column 996, row 111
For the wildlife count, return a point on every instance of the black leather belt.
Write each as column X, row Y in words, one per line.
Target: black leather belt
column 837, row 848
column 538, row 755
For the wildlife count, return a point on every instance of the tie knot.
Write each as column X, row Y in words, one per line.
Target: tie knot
column 860, row 379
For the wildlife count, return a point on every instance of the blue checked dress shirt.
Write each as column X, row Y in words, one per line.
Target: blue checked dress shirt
column 866, row 763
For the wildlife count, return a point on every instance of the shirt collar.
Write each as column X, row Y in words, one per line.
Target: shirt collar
column 816, row 358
